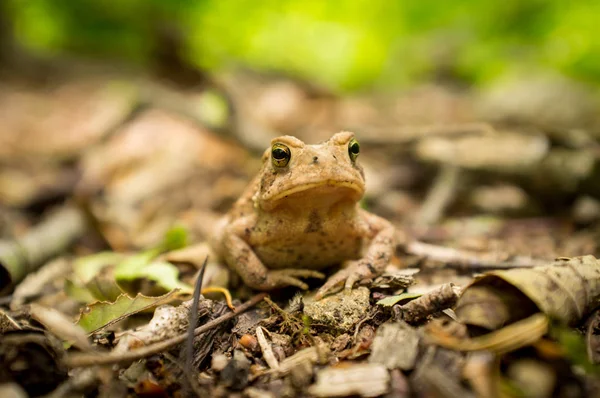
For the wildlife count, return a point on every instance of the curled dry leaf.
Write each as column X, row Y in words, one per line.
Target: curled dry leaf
column 566, row 290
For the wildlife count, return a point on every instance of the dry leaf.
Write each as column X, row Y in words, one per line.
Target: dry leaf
column 565, row 290
column 507, row 339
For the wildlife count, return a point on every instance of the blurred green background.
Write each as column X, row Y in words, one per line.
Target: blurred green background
column 345, row 45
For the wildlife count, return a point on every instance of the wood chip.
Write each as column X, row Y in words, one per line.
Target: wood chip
column 312, row 355
column 365, row 380
column 396, row 346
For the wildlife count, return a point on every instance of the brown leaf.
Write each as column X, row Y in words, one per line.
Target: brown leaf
column 507, row 339
column 566, row 290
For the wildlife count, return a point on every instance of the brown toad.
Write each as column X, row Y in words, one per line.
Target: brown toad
column 301, row 214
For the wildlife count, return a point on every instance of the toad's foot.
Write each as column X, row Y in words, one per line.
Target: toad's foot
column 354, row 272
column 288, row 277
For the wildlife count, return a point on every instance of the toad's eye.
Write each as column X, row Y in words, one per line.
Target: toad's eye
column 280, row 155
column 353, row 149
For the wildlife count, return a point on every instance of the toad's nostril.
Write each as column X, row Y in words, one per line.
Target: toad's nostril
column 315, row 159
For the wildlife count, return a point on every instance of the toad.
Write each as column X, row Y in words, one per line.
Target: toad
column 301, row 215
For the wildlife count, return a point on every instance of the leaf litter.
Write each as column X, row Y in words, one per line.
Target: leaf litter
column 505, row 298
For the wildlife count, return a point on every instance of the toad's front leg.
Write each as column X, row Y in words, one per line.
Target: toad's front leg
column 240, row 256
column 377, row 257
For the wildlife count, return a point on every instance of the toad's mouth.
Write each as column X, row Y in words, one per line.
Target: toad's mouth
column 325, row 186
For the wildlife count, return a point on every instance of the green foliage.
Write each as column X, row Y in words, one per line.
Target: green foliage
column 346, row 44
column 575, row 348
column 107, row 275
column 102, row 314
column 175, row 238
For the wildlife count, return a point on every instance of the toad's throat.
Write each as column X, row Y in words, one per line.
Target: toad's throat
column 359, row 190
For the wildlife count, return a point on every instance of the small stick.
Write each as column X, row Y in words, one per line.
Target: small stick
column 420, row 308
column 404, row 135
column 463, row 259
column 439, row 197
column 81, row 360
column 266, row 349
column 52, row 236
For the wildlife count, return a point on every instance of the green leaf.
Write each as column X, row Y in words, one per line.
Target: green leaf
column 575, row 348
column 175, row 238
column 87, row 268
column 165, row 275
column 94, row 277
column 103, row 314
column 131, row 266
column 391, row 300
column 77, row 292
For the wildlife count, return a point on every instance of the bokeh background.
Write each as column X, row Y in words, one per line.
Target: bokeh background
column 345, row 45
column 156, row 112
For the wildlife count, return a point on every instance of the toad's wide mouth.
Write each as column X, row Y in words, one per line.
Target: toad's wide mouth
column 353, row 186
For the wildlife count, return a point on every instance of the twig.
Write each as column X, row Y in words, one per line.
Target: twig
column 81, row 360
column 420, row 308
column 405, row 135
column 51, row 237
column 464, row 259
column 440, row 195
column 10, row 320
column 79, row 382
column 266, row 349
column 358, row 325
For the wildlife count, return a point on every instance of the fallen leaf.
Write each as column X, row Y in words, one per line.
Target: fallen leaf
column 87, row 267
column 165, row 275
column 512, row 337
column 566, row 290
column 175, row 238
column 102, row 314
column 391, row 300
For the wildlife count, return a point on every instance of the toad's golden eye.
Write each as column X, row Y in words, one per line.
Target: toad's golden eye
column 353, row 149
column 280, row 155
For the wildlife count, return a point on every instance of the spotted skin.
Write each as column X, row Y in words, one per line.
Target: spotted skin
column 298, row 219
